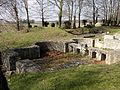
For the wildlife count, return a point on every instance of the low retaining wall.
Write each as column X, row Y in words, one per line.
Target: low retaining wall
column 90, row 42
column 113, row 57
column 10, row 57
column 31, row 52
column 50, row 46
column 112, row 44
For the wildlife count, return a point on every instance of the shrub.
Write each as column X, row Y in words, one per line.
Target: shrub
column 67, row 24
column 96, row 30
column 84, row 22
column 52, row 24
column 35, row 26
column 30, row 26
column 46, row 24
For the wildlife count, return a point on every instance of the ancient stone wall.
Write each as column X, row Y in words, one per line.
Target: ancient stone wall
column 27, row 66
column 99, row 43
column 10, row 57
column 112, row 44
column 31, row 52
column 113, row 57
column 90, row 42
column 109, row 37
column 50, row 46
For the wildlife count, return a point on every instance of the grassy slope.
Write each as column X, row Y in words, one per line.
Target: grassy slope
column 91, row 77
column 19, row 39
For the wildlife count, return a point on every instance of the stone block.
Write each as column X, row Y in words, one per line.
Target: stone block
column 31, row 52
column 9, row 59
column 113, row 57
column 109, row 37
column 27, row 66
column 112, row 44
column 88, row 41
column 51, row 46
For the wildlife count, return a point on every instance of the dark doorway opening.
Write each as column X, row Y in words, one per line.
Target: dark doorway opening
column 93, row 43
column 78, row 51
column 93, row 54
column 103, row 57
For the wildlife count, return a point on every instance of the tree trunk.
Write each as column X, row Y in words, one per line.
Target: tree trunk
column 79, row 20
column 117, row 16
column 28, row 21
column 42, row 21
column 60, row 13
column 72, row 11
column 42, row 15
column 60, row 20
column 94, row 12
column 17, row 19
column 74, row 24
column 60, row 17
column 80, row 6
column 69, row 13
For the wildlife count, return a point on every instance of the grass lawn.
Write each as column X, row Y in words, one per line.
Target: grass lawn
column 20, row 39
column 89, row 77
column 112, row 29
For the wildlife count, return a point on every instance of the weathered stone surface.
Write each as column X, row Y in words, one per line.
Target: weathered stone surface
column 109, row 37
column 112, row 44
column 31, row 52
column 88, row 41
column 25, row 66
column 51, row 46
column 78, row 48
column 113, row 57
column 9, row 59
column 99, row 43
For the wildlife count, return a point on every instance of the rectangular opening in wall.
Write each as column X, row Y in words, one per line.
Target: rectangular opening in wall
column 78, row 51
column 103, row 57
column 93, row 43
column 93, row 54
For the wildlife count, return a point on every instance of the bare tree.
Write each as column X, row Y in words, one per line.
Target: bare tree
column 59, row 4
column 2, row 2
column 42, row 9
column 13, row 6
column 80, row 7
column 27, row 13
column 93, row 1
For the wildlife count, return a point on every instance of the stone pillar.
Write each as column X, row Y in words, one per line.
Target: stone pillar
column 66, row 47
column 9, row 59
column 98, row 56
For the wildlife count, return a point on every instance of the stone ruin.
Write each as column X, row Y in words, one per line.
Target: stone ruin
column 23, row 60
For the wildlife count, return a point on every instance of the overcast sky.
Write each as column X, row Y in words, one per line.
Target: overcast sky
column 49, row 14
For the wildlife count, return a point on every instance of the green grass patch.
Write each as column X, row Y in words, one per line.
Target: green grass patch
column 90, row 77
column 20, row 39
column 113, row 31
